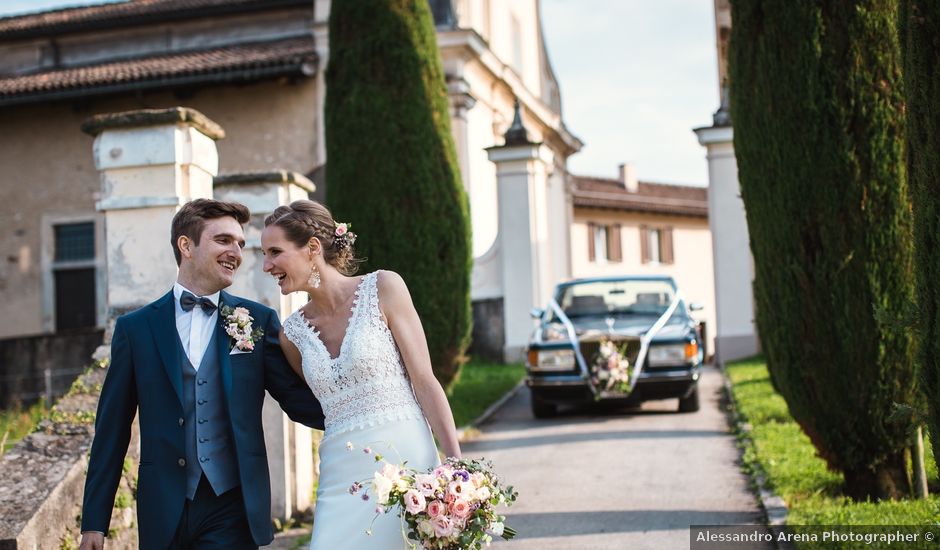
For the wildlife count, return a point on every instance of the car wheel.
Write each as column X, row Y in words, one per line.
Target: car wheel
column 689, row 403
column 542, row 408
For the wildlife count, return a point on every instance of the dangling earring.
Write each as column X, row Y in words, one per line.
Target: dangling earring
column 314, row 279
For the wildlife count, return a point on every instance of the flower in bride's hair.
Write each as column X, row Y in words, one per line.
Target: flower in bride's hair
column 341, row 229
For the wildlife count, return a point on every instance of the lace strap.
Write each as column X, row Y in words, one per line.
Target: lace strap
column 293, row 329
column 371, row 295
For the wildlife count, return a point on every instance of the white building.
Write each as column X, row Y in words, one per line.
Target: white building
column 736, row 335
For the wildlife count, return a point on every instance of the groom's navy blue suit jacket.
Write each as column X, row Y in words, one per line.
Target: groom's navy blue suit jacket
column 145, row 375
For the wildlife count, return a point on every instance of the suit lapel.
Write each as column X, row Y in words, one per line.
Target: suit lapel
column 163, row 327
column 222, row 343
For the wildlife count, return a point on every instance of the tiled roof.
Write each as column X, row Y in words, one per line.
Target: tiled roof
column 127, row 14
column 655, row 198
column 242, row 62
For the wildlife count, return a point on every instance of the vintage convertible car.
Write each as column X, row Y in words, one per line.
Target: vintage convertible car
column 645, row 318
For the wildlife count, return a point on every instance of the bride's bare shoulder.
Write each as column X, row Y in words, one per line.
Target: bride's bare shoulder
column 392, row 289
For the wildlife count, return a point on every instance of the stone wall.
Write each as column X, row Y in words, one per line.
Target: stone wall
column 43, row 366
column 43, row 477
column 488, row 339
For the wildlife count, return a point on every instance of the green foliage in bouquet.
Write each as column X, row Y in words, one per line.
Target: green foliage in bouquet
column 818, row 126
column 920, row 25
column 393, row 168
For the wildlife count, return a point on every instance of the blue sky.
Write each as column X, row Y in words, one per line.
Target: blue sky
column 635, row 76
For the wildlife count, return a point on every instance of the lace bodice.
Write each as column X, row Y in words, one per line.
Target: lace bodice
column 366, row 384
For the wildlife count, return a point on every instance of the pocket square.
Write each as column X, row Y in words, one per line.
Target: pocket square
column 236, row 351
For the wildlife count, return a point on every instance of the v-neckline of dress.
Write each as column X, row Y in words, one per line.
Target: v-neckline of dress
column 353, row 311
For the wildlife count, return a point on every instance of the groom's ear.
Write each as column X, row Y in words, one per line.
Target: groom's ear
column 185, row 246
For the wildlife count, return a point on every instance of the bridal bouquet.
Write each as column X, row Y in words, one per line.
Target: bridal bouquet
column 447, row 508
column 611, row 369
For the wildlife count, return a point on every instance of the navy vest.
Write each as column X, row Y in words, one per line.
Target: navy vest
column 209, row 447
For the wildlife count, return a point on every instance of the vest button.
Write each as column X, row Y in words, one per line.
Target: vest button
column 181, row 421
column 203, row 459
column 203, row 439
column 181, row 462
column 201, row 381
column 201, row 402
column 202, row 420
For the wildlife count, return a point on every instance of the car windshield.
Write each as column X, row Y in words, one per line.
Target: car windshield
column 614, row 298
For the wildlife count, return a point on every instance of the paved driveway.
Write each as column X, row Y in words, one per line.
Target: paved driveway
column 621, row 479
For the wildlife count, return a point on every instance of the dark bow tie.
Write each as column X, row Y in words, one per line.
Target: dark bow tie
column 188, row 301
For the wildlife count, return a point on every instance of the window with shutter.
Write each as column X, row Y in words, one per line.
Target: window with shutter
column 590, row 237
column 614, row 248
column 644, row 244
column 667, row 248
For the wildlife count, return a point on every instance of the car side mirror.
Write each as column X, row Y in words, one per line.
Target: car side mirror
column 696, row 306
column 536, row 313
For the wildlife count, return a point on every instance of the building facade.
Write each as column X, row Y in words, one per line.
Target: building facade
column 736, row 335
column 628, row 227
column 257, row 68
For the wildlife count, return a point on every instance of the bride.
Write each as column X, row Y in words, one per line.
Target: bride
column 360, row 346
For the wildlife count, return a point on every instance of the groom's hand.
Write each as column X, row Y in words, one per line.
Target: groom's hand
column 92, row 540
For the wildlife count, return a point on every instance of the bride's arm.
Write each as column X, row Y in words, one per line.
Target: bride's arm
column 396, row 305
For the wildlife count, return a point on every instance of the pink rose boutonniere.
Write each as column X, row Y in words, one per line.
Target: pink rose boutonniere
column 237, row 322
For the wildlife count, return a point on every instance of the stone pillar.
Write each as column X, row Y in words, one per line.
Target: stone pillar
column 151, row 162
column 522, row 169
column 461, row 101
column 289, row 445
column 736, row 331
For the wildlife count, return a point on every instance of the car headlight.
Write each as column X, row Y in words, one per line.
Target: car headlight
column 672, row 354
column 553, row 333
column 551, row 359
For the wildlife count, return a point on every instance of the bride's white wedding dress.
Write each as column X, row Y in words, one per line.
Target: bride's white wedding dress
column 368, row 401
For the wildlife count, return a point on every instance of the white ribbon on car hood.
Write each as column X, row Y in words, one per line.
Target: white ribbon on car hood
column 645, row 338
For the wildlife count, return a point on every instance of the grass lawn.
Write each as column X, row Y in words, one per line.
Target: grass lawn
column 479, row 386
column 785, row 455
column 16, row 423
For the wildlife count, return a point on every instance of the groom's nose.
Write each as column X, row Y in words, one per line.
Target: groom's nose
column 236, row 250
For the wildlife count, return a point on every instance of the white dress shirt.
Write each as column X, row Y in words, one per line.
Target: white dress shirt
column 194, row 327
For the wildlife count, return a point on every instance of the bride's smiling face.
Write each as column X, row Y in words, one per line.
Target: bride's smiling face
column 288, row 263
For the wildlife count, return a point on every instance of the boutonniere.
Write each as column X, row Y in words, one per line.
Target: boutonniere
column 238, row 327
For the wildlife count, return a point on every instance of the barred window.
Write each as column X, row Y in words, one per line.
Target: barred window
column 73, row 271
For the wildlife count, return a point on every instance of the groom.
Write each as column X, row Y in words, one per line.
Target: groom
column 203, row 478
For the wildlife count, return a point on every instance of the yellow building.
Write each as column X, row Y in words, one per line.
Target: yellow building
column 629, row 227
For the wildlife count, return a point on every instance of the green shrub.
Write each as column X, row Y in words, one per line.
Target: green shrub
column 818, row 134
column 919, row 26
column 393, row 167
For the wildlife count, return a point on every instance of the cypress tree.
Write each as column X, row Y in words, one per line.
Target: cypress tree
column 816, row 100
column 393, row 169
column 919, row 22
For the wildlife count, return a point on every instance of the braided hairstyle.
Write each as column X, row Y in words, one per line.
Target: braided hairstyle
column 303, row 219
